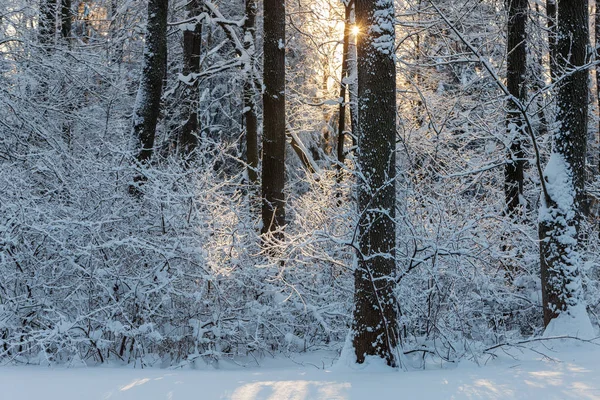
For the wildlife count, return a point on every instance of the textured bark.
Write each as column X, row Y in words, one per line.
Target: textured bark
column 516, row 68
column 273, row 157
column 597, row 46
column 375, row 312
column 147, row 106
column 353, row 79
column 539, row 82
column 341, row 136
column 113, row 32
column 250, row 116
column 65, row 18
column 559, row 244
column 551, row 15
column 47, row 21
column 192, row 45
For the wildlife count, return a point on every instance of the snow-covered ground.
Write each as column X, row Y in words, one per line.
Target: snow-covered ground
column 562, row 371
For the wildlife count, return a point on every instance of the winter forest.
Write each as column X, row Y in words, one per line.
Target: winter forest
column 188, row 182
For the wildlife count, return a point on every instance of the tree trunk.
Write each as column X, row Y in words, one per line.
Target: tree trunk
column 353, row 78
column 561, row 210
column 47, row 21
column 249, row 95
column 273, row 165
column 551, row 15
column 597, row 47
column 192, row 44
column 65, row 19
column 516, row 69
column 341, row 156
column 114, row 28
column 375, row 312
column 147, row 104
column 539, row 83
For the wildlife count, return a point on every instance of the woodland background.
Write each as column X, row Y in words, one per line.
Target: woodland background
column 90, row 271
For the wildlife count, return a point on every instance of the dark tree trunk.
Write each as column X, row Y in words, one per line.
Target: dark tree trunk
column 192, row 45
column 47, row 21
column 117, row 44
column 341, row 136
column 147, row 105
column 249, row 95
column 539, row 83
column 273, row 164
column 597, row 47
column 375, row 312
column 516, row 68
column 65, row 18
column 560, row 215
column 353, row 78
column 65, row 30
column 551, row 15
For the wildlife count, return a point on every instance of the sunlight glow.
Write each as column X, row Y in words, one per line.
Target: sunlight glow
column 355, row 30
column 136, row 382
column 293, row 390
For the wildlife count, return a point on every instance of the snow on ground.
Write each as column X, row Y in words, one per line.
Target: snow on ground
column 563, row 372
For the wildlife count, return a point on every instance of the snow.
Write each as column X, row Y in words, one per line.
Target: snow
column 575, row 322
column 560, row 213
column 537, row 371
column 559, row 183
column 383, row 27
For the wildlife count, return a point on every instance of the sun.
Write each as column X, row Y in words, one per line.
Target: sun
column 355, row 30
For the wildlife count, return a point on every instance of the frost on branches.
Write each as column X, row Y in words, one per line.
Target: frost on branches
column 177, row 276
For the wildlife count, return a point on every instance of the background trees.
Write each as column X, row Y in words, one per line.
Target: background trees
column 516, row 70
column 178, row 275
column 273, row 156
column 147, row 103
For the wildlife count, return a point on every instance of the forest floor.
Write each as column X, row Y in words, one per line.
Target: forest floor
column 547, row 370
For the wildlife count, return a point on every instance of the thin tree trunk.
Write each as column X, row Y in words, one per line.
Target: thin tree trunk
column 353, row 78
column 561, row 210
column 47, row 21
column 65, row 19
column 516, row 69
column 192, row 44
column 539, row 84
column 274, row 138
column 65, row 30
column 147, row 105
column 341, row 136
column 375, row 312
column 117, row 45
column 249, row 95
column 551, row 15
column 597, row 47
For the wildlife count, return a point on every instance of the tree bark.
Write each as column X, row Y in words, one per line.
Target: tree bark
column 551, row 15
column 341, row 136
column 192, row 45
column 375, row 312
column 597, row 47
column 147, row 105
column 65, row 19
column 273, row 157
column 561, row 211
column 516, row 69
column 353, row 78
column 249, row 95
column 47, row 21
